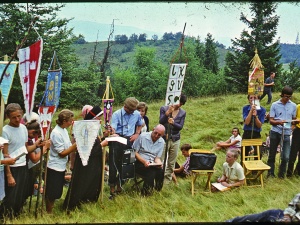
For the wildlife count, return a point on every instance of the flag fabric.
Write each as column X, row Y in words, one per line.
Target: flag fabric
column 29, row 70
column 175, row 83
column 53, row 87
column 253, row 72
column 85, row 132
column 107, row 109
column 8, row 78
column 46, row 114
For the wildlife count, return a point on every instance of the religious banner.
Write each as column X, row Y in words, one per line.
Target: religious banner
column 256, row 82
column 29, row 70
column 53, row 87
column 107, row 109
column 85, row 132
column 6, row 83
column 175, row 83
column 46, row 114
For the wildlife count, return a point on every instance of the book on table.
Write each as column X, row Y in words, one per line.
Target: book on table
column 220, row 187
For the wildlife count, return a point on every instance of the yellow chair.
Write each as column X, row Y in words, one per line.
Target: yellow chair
column 252, row 164
column 196, row 173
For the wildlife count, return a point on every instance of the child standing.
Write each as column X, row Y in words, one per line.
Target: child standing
column 142, row 107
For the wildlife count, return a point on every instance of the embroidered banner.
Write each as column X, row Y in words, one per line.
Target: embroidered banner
column 8, row 78
column 175, row 83
column 46, row 114
column 53, row 87
column 256, row 82
column 85, row 132
column 107, row 109
column 29, row 70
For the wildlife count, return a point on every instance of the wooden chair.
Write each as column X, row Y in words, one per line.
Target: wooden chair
column 196, row 173
column 252, row 164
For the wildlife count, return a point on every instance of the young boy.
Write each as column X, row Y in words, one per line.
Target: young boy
column 183, row 170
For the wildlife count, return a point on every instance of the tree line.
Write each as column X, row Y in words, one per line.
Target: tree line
column 147, row 78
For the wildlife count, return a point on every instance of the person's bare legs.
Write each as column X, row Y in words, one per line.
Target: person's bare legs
column 49, row 206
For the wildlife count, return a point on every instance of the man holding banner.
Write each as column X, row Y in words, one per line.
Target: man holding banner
column 174, row 117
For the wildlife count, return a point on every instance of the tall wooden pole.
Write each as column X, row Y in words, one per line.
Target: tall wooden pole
column 106, row 96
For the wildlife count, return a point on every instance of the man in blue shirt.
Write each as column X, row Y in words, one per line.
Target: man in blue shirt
column 269, row 83
column 281, row 114
column 125, row 122
column 253, row 120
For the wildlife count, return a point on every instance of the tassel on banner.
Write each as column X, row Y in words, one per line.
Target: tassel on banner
column 255, row 61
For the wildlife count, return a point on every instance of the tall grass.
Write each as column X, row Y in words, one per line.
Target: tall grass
column 209, row 119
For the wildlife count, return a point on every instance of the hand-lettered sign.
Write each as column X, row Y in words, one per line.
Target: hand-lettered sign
column 175, row 83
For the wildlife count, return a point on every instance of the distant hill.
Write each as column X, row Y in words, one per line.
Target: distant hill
column 90, row 30
column 122, row 55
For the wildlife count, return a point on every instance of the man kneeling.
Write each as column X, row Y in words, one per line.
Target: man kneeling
column 148, row 150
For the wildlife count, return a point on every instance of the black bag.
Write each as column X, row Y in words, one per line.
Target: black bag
column 202, row 161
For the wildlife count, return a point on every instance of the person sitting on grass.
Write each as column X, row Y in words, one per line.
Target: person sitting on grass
column 182, row 171
column 235, row 141
column 233, row 173
column 290, row 214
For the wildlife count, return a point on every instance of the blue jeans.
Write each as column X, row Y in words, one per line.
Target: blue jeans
column 269, row 93
column 275, row 139
column 271, row 215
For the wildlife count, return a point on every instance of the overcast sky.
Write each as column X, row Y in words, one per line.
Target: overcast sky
column 219, row 19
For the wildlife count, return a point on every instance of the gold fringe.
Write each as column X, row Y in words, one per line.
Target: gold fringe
column 255, row 61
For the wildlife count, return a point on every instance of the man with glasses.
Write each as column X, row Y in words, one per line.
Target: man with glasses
column 282, row 113
column 149, row 148
column 125, row 122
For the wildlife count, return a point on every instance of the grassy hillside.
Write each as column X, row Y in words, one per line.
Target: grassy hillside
column 122, row 54
column 208, row 120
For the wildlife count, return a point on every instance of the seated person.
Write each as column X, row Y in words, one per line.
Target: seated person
column 182, row 171
column 290, row 214
column 233, row 172
column 149, row 148
column 235, row 141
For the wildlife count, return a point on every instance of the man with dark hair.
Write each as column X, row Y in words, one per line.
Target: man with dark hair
column 281, row 114
column 173, row 116
column 269, row 83
column 253, row 120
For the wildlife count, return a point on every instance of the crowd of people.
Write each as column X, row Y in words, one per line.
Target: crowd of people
column 155, row 151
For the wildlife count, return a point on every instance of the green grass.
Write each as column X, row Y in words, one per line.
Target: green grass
column 209, row 119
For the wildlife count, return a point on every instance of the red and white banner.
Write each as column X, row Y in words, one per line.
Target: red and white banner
column 29, row 70
column 46, row 114
column 253, row 72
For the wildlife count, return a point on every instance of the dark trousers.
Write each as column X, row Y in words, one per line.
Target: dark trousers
column 248, row 134
column 272, row 215
column 269, row 93
column 275, row 139
column 153, row 177
column 116, row 152
column 295, row 151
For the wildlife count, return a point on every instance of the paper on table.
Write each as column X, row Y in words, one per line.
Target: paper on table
column 220, row 187
column 118, row 139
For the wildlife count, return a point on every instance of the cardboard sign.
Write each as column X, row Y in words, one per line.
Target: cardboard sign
column 175, row 83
